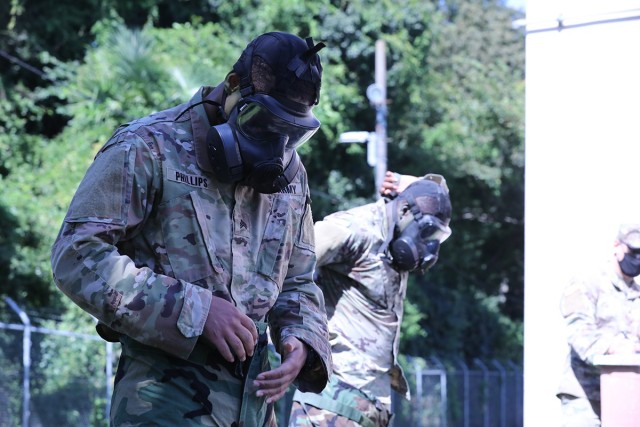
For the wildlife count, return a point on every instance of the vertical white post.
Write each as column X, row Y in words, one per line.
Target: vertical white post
column 26, row 359
column 381, row 113
column 109, row 375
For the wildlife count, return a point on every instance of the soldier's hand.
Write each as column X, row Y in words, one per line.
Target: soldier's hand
column 274, row 383
column 395, row 183
column 230, row 331
column 390, row 184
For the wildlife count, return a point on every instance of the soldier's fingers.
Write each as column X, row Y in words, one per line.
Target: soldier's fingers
column 386, row 185
column 272, row 388
column 267, row 387
column 273, row 377
column 274, row 374
column 289, row 346
column 248, row 342
column 223, row 349
column 276, row 397
column 237, row 346
column 276, row 379
column 250, row 326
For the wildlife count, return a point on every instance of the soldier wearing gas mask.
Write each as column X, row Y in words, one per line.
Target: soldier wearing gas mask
column 255, row 145
column 365, row 255
column 191, row 233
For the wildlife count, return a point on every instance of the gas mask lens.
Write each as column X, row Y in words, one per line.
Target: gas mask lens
column 256, row 146
column 263, row 118
column 431, row 228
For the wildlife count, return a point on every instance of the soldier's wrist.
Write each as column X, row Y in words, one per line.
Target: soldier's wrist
column 311, row 361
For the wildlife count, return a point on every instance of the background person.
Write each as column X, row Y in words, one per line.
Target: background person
column 601, row 308
column 191, row 232
column 364, row 256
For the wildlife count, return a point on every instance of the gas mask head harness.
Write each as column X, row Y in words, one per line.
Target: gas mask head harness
column 257, row 144
column 417, row 235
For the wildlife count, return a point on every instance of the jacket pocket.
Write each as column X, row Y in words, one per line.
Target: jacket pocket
column 306, row 238
column 276, row 245
column 189, row 246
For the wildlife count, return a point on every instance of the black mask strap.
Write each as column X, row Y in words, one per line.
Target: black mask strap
column 205, row 101
column 308, row 61
column 290, row 172
column 413, row 206
column 390, row 227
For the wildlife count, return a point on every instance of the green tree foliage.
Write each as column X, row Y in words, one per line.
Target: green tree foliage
column 462, row 116
column 455, row 84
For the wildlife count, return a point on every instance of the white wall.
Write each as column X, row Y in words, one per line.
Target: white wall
column 582, row 158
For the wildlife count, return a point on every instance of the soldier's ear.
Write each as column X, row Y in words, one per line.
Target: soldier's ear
column 231, row 82
column 232, row 93
column 618, row 250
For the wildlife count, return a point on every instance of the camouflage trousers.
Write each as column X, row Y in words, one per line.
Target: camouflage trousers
column 154, row 388
column 339, row 405
column 579, row 411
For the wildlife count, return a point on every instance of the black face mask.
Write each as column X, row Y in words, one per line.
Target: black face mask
column 256, row 146
column 417, row 245
column 630, row 265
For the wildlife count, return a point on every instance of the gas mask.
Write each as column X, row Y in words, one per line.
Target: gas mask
column 417, row 242
column 630, row 264
column 256, row 146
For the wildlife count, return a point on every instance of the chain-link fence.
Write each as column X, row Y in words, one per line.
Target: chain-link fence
column 458, row 394
column 50, row 377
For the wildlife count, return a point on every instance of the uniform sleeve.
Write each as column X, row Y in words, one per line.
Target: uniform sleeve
column 332, row 242
column 111, row 205
column 300, row 310
column 578, row 307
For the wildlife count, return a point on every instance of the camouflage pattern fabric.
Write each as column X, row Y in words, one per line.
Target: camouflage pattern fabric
column 152, row 387
column 364, row 296
column 600, row 311
column 580, row 412
column 339, row 405
column 150, row 236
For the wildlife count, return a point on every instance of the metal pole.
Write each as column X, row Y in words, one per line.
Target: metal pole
column 503, row 393
column 517, row 376
column 418, row 405
column 443, row 390
column 465, row 391
column 381, row 113
column 109, row 373
column 485, row 397
column 26, row 359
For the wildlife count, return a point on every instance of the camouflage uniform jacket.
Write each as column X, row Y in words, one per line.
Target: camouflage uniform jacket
column 149, row 238
column 599, row 310
column 364, row 295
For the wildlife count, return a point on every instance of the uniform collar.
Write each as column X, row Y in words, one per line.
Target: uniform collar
column 200, row 123
column 629, row 289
